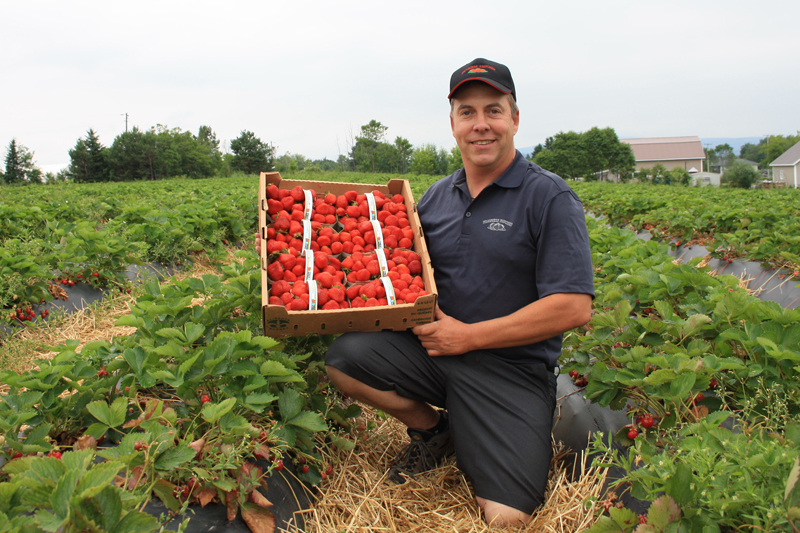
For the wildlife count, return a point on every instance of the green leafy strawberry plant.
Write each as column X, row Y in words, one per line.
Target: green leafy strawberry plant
column 189, row 401
column 682, row 351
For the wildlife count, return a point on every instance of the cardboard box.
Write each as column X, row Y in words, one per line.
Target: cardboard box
column 279, row 322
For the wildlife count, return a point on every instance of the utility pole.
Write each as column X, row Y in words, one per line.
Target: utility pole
column 126, row 121
column 708, row 162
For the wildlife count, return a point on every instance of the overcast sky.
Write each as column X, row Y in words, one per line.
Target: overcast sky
column 306, row 75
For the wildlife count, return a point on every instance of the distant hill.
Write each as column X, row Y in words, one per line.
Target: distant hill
column 708, row 142
column 735, row 142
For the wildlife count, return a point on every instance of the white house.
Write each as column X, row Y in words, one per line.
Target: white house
column 786, row 169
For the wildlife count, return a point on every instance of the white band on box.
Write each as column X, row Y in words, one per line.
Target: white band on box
column 309, row 275
column 306, row 237
column 313, row 295
column 309, row 205
column 376, row 227
column 387, row 284
column 373, row 209
column 384, row 266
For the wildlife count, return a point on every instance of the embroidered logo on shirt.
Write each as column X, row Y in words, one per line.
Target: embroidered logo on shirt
column 497, row 224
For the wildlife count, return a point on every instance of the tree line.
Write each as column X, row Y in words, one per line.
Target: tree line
column 162, row 152
column 768, row 149
column 585, row 155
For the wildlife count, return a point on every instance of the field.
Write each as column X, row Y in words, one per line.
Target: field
column 187, row 392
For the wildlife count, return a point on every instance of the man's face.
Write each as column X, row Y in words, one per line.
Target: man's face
column 484, row 127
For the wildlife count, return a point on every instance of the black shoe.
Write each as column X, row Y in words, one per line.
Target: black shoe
column 423, row 453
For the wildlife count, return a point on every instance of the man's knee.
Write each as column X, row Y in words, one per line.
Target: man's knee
column 499, row 515
column 340, row 380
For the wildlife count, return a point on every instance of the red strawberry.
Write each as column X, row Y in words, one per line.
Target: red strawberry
column 281, row 224
column 275, row 271
column 647, row 421
column 698, row 398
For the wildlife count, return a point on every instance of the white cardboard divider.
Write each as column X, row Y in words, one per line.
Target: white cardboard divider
column 390, row 296
column 373, row 209
column 309, row 274
column 313, row 295
column 306, row 237
column 376, row 227
column 309, row 204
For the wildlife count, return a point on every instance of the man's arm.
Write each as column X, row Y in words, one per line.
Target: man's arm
column 540, row 320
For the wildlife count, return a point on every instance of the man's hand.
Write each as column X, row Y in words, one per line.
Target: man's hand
column 537, row 321
column 445, row 336
column 258, row 244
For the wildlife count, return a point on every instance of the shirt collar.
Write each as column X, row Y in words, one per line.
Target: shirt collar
column 512, row 176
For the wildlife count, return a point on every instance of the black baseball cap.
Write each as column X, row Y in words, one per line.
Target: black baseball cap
column 495, row 74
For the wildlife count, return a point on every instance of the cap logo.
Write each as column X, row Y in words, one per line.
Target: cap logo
column 477, row 68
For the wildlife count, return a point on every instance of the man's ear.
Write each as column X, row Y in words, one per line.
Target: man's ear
column 452, row 125
column 516, row 122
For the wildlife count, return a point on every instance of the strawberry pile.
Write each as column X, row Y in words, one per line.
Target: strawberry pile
column 339, row 252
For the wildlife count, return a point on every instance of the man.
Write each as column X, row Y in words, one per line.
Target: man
column 510, row 253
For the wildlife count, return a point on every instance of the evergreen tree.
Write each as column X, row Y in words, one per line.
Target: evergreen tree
column 20, row 166
column 14, row 173
column 250, row 154
column 88, row 160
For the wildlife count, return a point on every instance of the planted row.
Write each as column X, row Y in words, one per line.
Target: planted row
column 757, row 225
column 704, row 371
column 180, row 410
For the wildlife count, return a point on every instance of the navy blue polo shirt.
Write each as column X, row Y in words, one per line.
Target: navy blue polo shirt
column 523, row 238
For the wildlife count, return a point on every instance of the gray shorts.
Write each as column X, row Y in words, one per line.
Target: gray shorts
column 501, row 413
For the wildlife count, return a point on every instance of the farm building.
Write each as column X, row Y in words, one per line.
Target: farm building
column 684, row 152
column 706, row 178
column 786, row 169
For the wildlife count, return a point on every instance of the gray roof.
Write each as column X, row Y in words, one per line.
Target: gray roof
column 789, row 158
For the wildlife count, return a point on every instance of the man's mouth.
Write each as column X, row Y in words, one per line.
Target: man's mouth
column 482, row 142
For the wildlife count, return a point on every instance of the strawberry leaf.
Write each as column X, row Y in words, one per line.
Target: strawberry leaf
column 309, row 421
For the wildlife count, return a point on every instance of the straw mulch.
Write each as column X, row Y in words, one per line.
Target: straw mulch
column 359, row 498
column 91, row 323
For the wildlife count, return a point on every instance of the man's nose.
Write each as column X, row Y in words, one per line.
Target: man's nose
column 481, row 123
